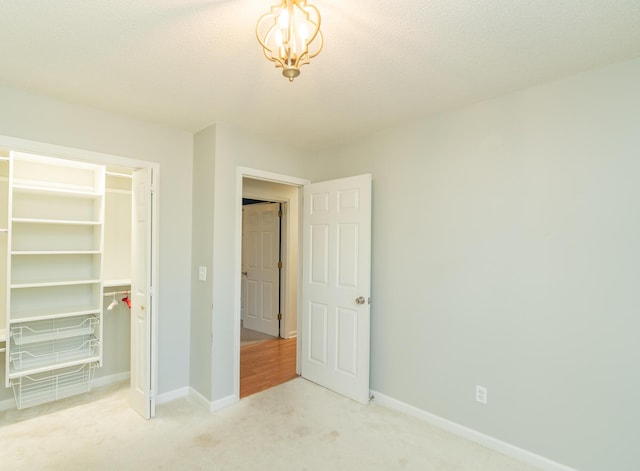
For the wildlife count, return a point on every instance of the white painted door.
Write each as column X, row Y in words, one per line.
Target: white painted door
column 260, row 245
column 336, row 285
column 141, row 220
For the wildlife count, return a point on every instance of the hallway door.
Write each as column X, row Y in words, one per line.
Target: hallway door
column 260, row 272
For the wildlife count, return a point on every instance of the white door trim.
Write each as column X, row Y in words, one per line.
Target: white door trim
column 275, row 178
column 70, row 153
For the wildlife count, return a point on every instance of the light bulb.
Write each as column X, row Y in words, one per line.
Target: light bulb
column 283, row 19
column 303, row 32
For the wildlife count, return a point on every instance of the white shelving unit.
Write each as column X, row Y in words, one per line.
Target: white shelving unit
column 54, row 272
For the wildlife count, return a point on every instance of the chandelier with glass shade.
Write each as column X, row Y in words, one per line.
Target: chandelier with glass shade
column 290, row 35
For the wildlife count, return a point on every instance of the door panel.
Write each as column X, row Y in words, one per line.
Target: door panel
column 336, row 272
column 317, row 323
column 347, row 331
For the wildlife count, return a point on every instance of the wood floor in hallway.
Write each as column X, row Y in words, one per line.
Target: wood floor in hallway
column 266, row 364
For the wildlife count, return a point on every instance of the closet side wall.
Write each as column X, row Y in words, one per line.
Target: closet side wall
column 117, row 278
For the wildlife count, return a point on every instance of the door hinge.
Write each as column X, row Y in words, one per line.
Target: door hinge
column 280, row 265
column 279, row 316
column 280, row 213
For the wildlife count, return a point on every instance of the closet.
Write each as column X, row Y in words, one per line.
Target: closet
column 65, row 242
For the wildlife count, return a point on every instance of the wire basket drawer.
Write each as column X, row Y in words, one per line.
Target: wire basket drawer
column 53, row 329
column 50, row 386
column 30, row 358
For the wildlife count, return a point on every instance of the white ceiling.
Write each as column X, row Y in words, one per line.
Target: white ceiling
column 192, row 63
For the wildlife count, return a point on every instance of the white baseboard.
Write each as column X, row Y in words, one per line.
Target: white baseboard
column 179, row 393
column 222, row 403
column 213, row 406
column 111, row 379
column 199, row 398
column 292, row 334
column 172, row 395
column 505, row 448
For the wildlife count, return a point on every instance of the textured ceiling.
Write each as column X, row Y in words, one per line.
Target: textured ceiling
column 192, row 63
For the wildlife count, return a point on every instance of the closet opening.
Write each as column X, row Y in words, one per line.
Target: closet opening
column 78, row 246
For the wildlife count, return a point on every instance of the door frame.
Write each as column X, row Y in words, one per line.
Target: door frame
column 70, row 153
column 258, row 174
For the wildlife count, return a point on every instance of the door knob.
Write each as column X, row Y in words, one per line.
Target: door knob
column 360, row 300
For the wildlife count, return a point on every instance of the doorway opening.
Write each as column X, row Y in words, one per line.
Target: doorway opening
column 262, row 270
column 269, row 290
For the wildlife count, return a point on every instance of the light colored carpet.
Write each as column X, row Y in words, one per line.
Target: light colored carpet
column 294, row 426
column 250, row 337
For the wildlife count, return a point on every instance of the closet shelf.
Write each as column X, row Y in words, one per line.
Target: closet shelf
column 79, row 192
column 55, row 221
column 45, row 283
column 113, row 283
column 45, row 331
column 54, row 354
column 52, row 313
column 33, row 390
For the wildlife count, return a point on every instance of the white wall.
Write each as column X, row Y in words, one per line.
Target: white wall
column 204, row 145
column 37, row 118
column 506, row 247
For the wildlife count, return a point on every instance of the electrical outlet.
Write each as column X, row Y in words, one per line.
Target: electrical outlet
column 481, row 394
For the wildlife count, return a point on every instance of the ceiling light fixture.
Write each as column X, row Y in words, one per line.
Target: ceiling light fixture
column 290, row 35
